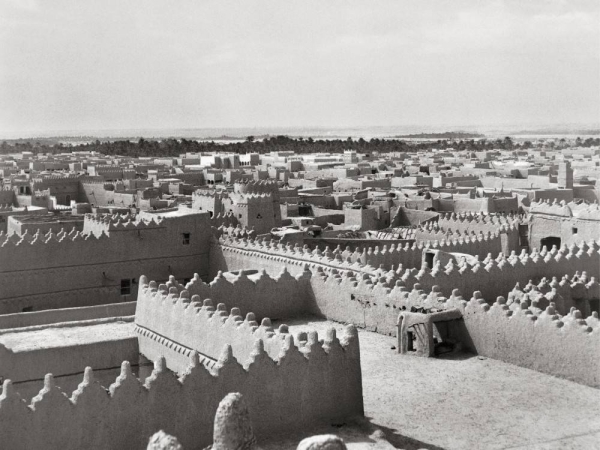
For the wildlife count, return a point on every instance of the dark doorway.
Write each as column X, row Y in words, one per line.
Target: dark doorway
column 411, row 338
column 524, row 236
column 429, row 260
column 550, row 241
column 304, row 210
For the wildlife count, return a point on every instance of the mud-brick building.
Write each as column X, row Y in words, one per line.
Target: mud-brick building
column 255, row 204
column 562, row 223
column 102, row 263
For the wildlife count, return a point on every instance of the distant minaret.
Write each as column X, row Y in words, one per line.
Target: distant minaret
column 565, row 176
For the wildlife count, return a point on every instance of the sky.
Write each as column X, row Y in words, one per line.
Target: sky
column 154, row 64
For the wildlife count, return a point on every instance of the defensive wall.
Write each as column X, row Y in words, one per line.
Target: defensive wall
column 505, row 238
column 355, row 244
column 65, row 349
column 289, row 382
column 164, row 312
column 565, row 346
column 478, row 222
column 483, row 204
column 223, row 220
column 305, row 385
column 577, row 291
column 231, row 254
column 277, row 297
column 373, row 301
column 86, row 268
column 237, row 232
column 494, row 276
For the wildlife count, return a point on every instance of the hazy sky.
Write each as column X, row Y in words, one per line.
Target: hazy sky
column 81, row 65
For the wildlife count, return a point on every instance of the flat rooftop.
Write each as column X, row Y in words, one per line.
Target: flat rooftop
column 467, row 402
column 166, row 213
column 48, row 219
column 58, row 337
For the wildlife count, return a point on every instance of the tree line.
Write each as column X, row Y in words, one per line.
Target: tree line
column 175, row 147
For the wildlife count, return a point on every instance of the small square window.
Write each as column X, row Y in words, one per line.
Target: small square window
column 186, row 238
column 239, row 216
column 574, row 230
column 126, row 287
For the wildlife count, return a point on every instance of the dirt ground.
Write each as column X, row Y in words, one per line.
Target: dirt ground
column 465, row 401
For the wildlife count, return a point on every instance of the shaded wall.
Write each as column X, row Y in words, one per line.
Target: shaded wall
column 58, row 271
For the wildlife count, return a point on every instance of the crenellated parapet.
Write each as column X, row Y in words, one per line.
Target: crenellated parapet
column 577, row 291
column 521, row 333
column 14, row 241
column 210, row 193
column 238, row 231
column 57, row 178
column 582, row 211
column 106, row 223
column 564, row 346
column 368, row 300
column 325, row 377
column 243, row 200
column 272, row 255
column 109, row 250
column 225, row 220
column 493, row 275
column 185, row 316
column 363, row 258
column 444, row 229
column 257, row 187
column 28, row 249
column 93, row 183
column 265, row 296
column 480, row 222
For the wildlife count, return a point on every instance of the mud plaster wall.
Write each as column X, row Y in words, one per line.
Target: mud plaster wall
column 310, row 384
column 276, row 297
column 566, row 347
column 7, row 197
column 495, row 276
column 81, row 270
column 34, row 364
column 477, row 223
column 29, row 319
column 200, row 327
column 542, row 226
column 355, row 298
column 231, row 255
column 234, row 254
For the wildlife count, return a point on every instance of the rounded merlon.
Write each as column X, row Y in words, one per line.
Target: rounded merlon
column 322, row 442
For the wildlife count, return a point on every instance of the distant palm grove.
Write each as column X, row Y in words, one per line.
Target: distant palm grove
column 175, row 147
